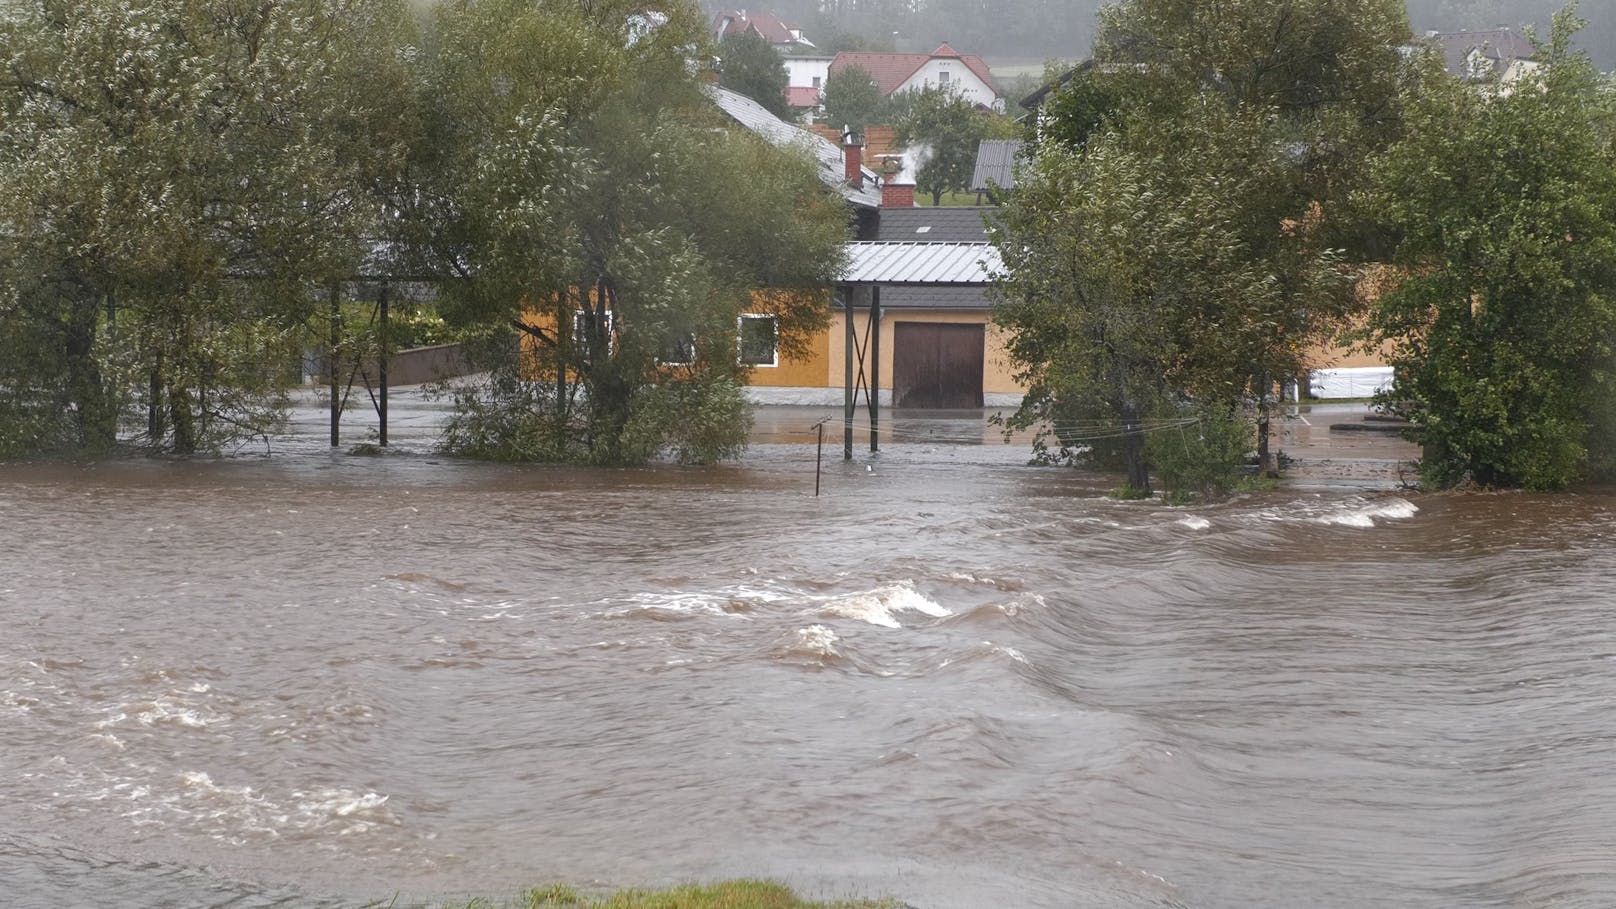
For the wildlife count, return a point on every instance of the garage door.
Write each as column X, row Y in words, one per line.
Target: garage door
column 937, row 365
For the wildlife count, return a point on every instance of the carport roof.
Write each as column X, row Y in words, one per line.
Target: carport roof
column 888, row 263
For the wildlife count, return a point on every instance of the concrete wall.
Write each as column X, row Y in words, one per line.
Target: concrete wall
column 417, row 366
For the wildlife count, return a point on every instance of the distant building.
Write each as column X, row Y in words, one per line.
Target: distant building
column 943, row 67
column 806, row 72
column 1500, row 54
column 787, row 39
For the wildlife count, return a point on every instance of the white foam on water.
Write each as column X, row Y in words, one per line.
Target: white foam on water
column 734, row 602
column 815, row 641
column 1195, row 523
column 880, row 606
column 233, row 813
column 1366, row 515
column 165, row 711
column 1010, row 652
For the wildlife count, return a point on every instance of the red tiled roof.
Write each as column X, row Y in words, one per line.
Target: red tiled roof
column 802, row 96
column 768, row 25
column 891, row 71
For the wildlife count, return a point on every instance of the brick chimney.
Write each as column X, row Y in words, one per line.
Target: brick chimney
column 853, row 157
column 897, row 190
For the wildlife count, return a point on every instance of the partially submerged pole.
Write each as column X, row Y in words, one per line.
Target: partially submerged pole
column 873, row 333
column 819, row 455
column 847, row 387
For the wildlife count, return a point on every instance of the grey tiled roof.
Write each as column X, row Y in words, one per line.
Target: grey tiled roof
column 995, row 165
column 935, row 225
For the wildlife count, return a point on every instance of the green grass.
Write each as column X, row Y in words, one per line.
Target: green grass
column 727, row 895
column 949, row 199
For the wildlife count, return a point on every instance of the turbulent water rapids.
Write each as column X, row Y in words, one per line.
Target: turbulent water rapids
column 954, row 680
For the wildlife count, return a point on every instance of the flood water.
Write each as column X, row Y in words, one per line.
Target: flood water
column 953, row 679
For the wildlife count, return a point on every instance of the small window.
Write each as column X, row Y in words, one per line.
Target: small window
column 943, row 77
column 816, row 82
column 580, row 325
column 759, row 339
column 678, row 350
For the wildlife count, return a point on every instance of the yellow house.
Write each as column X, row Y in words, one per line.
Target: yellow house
column 921, row 322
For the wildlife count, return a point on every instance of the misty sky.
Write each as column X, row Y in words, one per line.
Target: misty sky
column 1039, row 29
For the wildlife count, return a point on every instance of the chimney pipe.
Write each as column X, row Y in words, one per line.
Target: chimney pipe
column 853, row 157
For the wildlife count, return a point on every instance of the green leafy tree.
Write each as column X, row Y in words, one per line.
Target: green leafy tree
column 853, row 100
column 175, row 177
column 755, row 69
column 1504, row 204
column 1240, row 127
column 590, row 203
column 1079, row 107
column 946, row 128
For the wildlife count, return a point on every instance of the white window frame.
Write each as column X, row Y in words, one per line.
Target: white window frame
column 578, row 331
column 740, row 340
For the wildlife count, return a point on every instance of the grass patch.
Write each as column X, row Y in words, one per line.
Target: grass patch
column 950, row 200
column 727, row 895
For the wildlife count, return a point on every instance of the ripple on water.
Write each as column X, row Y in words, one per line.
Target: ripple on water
column 963, row 687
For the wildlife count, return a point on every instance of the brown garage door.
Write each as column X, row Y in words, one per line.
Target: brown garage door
column 937, row 365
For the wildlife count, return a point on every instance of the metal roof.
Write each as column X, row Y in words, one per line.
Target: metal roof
column 755, row 118
column 995, row 165
column 921, row 263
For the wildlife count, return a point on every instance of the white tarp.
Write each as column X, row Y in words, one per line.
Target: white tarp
column 1360, row 382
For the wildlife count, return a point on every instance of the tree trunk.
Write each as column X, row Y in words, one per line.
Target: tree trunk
column 155, row 429
column 95, row 413
column 183, row 417
column 1133, row 450
column 1267, row 463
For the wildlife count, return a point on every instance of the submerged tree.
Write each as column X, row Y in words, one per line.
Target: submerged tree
column 176, row 176
column 616, row 226
column 1241, row 127
column 1504, row 203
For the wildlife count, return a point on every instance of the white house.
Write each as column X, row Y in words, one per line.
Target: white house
column 807, row 71
column 943, row 67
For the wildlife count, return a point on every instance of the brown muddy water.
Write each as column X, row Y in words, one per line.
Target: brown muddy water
column 316, row 680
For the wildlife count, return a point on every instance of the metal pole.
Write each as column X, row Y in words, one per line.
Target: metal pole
column 847, row 387
column 819, row 456
column 381, row 369
column 874, row 335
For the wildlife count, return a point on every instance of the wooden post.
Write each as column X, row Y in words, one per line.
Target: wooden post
column 332, row 366
column 381, row 370
column 847, row 386
column 873, row 334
